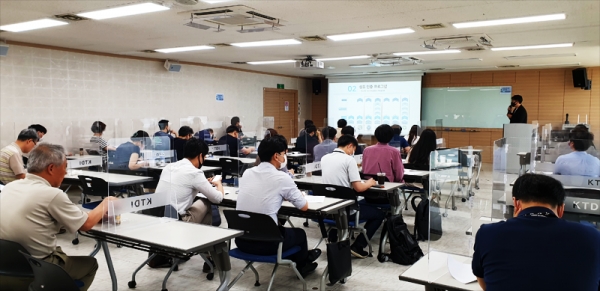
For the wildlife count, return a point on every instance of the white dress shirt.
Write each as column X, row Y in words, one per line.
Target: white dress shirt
column 263, row 188
column 183, row 181
column 577, row 164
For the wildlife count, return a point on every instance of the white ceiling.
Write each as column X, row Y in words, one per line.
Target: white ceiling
column 129, row 35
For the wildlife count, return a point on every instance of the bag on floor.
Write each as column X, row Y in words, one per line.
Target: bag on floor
column 404, row 248
column 216, row 216
column 160, row 262
column 339, row 260
column 422, row 225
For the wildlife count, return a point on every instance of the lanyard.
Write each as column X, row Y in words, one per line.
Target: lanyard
column 541, row 213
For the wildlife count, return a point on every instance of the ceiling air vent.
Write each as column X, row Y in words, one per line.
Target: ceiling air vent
column 437, row 69
column 213, row 12
column 239, row 63
column 187, row 2
column 432, row 26
column 148, row 51
column 474, row 49
column 245, row 19
column 220, row 44
column 70, row 17
column 261, row 15
column 508, row 66
column 313, row 38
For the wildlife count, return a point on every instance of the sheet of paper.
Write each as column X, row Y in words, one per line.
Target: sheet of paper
column 314, row 199
column 217, row 178
column 460, row 271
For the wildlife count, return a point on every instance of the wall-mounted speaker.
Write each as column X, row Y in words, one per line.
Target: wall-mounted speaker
column 316, row 86
column 172, row 66
column 580, row 78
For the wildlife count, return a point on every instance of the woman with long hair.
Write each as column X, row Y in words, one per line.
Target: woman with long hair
column 413, row 135
column 419, row 155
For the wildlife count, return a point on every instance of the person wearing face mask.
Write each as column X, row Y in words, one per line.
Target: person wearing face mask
column 536, row 249
column 339, row 168
column 262, row 190
column 516, row 111
column 184, row 179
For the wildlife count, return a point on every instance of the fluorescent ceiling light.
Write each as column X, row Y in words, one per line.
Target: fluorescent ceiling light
column 31, row 25
column 528, row 47
column 529, row 19
column 267, row 43
column 428, row 53
column 123, row 11
column 541, row 56
column 344, row 58
column 369, row 34
column 271, row 62
column 553, row 65
column 185, row 49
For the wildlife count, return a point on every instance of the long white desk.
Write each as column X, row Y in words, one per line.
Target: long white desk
column 166, row 236
column 111, row 178
column 432, row 271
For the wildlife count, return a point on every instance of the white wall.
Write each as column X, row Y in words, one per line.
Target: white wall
column 67, row 91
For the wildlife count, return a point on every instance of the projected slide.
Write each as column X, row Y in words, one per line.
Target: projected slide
column 366, row 105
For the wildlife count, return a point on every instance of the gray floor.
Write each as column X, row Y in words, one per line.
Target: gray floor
column 368, row 274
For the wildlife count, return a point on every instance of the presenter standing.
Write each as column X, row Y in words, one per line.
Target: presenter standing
column 516, row 111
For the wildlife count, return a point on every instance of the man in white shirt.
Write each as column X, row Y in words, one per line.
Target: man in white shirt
column 32, row 211
column 339, row 168
column 578, row 163
column 262, row 190
column 184, row 179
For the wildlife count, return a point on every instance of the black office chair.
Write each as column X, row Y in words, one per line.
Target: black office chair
column 232, row 168
column 14, row 265
column 48, row 276
column 260, row 228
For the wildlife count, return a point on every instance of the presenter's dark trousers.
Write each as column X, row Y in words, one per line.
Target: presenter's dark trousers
column 291, row 237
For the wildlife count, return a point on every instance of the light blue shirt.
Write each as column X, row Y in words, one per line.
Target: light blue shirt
column 326, row 147
column 577, row 164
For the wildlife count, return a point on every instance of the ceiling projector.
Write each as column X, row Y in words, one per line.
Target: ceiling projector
column 309, row 64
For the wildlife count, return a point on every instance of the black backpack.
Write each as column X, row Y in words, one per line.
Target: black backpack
column 422, row 220
column 404, row 249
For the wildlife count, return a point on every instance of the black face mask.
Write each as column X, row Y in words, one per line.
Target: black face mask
column 513, row 104
column 199, row 164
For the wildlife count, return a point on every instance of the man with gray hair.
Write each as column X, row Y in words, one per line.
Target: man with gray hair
column 32, row 211
column 11, row 156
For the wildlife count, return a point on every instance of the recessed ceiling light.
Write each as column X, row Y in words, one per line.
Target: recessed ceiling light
column 344, row 58
column 529, row 47
column 31, row 25
column 428, row 53
column 369, row 34
column 185, row 49
column 267, row 43
column 123, row 11
column 529, row 19
column 271, row 62
column 541, row 56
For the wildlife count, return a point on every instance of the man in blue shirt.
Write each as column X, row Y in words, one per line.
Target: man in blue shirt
column 163, row 140
column 537, row 250
column 579, row 162
column 399, row 141
column 328, row 145
column 231, row 139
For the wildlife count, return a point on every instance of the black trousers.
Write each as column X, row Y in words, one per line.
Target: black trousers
column 291, row 237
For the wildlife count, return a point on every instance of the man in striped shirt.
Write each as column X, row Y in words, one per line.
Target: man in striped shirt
column 11, row 156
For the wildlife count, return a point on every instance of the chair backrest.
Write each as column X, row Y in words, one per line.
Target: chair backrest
column 48, row 276
column 93, row 185
column 230, row 166
column 334, row 191
column 256, row 226
column 11, row 261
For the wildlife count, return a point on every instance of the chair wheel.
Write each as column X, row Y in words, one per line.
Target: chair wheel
column 305, row 224
column 381, row 258
column 343, row 281
column 445, row 214
column 257, row 284
column 454, row 208
column 131, row 284
column 119, row 246
column 75, row 241
column 463, row 199
column 210, row 276
column 164, row 290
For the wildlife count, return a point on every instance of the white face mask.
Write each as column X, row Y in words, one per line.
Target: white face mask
column 284, row 164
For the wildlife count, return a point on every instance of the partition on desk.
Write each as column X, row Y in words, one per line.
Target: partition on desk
column 452, row 224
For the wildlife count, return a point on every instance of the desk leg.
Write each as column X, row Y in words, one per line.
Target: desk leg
column 97, row 247
column 111, row 269
column 220, row 255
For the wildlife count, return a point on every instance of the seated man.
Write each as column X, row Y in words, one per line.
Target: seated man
column 262, row 190
column 163, row 139
column 328, row 145
column 41, row 131
column 339, row 168
column 349, row 130
column 307, row 142
column 33, row 210
column 307, row 123
column 383, row 158
column 184, row 179
column 399, row 141
column 11, row 156
column 536, row 250
column 207, row 135
column 231, row 139
column 127, row 154
column 184, row 134
column 578, row 163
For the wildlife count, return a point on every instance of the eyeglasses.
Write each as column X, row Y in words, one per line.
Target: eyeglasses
column 34, row 142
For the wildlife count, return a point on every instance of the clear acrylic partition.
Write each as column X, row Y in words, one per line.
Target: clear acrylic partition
column 8, row 134
column 116, row 219
column 453, row 213
column 578, row 169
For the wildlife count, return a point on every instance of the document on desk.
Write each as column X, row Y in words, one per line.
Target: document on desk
column 314, row 199
column 462, row 272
